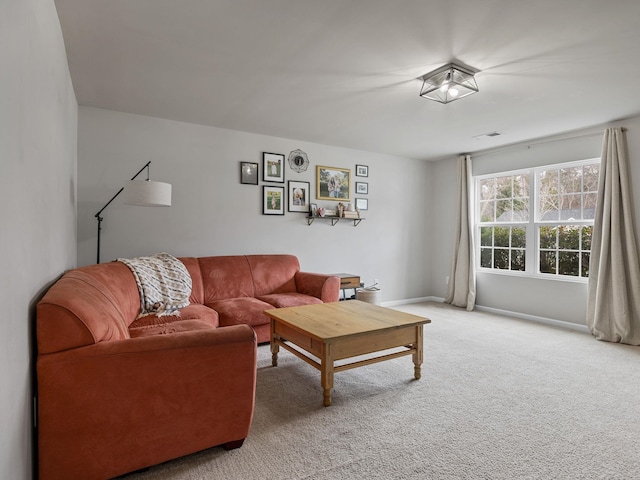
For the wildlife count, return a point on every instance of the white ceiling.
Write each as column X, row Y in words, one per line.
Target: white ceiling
column 345, row 72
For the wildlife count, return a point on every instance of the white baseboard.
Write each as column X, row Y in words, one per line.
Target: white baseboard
column 407, row 301
column 497, row 311
column 534, row 318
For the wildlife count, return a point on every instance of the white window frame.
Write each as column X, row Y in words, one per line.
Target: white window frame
column 532, row 226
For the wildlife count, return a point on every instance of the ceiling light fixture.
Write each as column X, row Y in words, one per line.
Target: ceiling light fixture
column 448, row 83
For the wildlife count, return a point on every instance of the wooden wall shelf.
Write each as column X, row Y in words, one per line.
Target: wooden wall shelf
column 334, row 220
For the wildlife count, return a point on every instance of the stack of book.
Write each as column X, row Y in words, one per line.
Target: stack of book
column 353, row 214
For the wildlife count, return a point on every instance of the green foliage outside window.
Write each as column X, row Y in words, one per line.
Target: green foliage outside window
column 503, row 248
column 564, row 249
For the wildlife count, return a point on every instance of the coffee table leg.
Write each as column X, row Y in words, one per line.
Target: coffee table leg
column 275, row 348
column 418, row 356
column 326, row 374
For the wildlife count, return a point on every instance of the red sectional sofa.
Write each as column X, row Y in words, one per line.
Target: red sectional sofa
column 117, row 393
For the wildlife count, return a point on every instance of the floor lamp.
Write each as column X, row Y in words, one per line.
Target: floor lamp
column 141, row 192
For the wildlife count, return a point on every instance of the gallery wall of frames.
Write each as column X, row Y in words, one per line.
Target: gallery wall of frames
column 336, row 193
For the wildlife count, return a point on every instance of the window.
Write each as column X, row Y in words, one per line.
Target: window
column 538, row 221
column 504, row 214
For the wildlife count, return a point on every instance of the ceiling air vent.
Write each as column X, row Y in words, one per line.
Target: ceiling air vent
column 487, row 135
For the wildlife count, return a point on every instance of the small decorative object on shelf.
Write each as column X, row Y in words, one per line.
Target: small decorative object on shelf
column 351, row 214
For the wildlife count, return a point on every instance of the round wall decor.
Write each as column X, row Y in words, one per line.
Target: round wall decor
column 298, row 161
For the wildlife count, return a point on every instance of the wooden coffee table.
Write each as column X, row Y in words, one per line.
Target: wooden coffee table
column 341, row 330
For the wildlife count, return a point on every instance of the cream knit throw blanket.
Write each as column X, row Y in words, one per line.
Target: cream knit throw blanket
column 163, row 282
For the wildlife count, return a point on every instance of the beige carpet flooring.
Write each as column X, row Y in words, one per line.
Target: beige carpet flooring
column 499, row 398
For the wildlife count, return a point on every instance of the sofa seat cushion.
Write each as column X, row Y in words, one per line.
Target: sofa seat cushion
column 281, row 300
column 235, row 311
column 190, row 312
column 168, row 328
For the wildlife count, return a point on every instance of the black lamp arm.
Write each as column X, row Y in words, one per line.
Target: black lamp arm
column 97, row 215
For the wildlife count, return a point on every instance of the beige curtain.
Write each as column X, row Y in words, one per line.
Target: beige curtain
column 462, row 281
column 613, row 310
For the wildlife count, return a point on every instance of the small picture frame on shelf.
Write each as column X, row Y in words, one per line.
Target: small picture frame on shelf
column 273, row 167
column 362, row 188
column 249, row 173
column 272, row 200
column 299, row 195
column 362, row 171
column 362, row 203
column 313, row 210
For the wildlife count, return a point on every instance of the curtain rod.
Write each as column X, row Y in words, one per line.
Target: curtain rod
column 528, row 145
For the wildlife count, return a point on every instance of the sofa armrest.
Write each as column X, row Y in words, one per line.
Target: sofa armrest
column 324, row 287
column 118, row 406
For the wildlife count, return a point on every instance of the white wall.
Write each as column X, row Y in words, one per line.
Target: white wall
column 38, row 126
column 213, row 214
column 552, row 299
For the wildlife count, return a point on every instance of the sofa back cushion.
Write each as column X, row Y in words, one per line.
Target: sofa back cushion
column 86, row 306
column 273, row 273
column 239, row 276
column 193, row 267
column 225, row 277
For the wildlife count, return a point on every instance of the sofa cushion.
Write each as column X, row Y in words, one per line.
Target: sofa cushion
column 273, row 273
column 225, row 277
column 193, row 267
column 235, row 311
column 190, row 312
column 171, row 327
column 281, row 300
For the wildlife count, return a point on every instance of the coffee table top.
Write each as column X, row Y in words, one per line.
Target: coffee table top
column 326, row 321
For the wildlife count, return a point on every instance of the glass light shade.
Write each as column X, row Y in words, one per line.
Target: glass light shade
column 448, row 83
column 147, row 193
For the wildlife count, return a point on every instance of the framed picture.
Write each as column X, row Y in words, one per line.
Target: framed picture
column 333, row 183
column 362, row 187
column 249, row 173
column 362, row 171
column 272, row 167
column 272, row 200
column 299, row 196
column 362, row 203
column 313, row 210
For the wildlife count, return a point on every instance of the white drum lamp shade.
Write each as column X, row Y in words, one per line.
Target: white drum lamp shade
column 148, row 193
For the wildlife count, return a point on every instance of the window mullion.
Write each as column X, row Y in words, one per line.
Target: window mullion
column 533, row 238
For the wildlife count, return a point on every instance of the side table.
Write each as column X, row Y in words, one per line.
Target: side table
column 348, row 281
